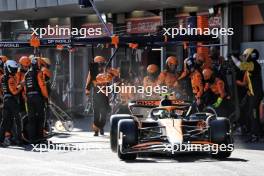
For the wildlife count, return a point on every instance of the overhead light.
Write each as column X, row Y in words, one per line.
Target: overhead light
column 26, row 24
column 156, row 49
column 110, row 15
column 211, row 11
column 103, row 17
column 12, row 21
column 190, row 8
column 137, row 13
column 214, row 10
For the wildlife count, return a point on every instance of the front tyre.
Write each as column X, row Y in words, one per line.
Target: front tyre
column 220, row 131
column 128, row 137
column 113, row 129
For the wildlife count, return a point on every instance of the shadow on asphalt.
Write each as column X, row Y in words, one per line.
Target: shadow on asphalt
column 241, row 144
column 62, row 135
column 182, row 158
column 85, row 124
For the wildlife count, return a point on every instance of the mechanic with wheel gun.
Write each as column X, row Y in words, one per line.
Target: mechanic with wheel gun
column 47, row 74
column 36, row 94
column 152, row 78
column 215, row 94
column 99, row 76
column 253, row 83
column 191, row 70
column 11, row 90
column 25, row 64
column 217, row 63
column 170, row 75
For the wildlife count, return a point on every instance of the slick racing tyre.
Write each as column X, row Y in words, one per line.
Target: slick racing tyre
column 128, row 134
column 113, row 128
column 220, row 132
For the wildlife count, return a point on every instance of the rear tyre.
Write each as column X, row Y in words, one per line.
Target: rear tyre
column 220, row 130
column 113, row 128
column 128, row 134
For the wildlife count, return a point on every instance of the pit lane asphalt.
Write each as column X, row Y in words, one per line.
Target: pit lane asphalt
column 98, row 160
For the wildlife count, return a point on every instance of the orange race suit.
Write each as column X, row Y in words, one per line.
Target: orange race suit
column 36, row 94
column 101, row 103
column 10, row 88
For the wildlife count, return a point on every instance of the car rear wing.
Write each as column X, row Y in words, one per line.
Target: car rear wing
column 156, row 103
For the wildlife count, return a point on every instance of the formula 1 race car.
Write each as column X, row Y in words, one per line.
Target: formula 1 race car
column 169, row 126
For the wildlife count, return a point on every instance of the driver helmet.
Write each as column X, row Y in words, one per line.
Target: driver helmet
column 11, row 66
column 250, row 54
